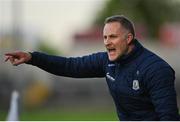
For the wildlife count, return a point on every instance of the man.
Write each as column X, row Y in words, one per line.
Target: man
column 140, row 82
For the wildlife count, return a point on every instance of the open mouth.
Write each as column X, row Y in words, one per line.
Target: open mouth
column 111, row 50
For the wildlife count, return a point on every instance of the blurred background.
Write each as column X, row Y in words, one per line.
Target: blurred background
column 74, row 28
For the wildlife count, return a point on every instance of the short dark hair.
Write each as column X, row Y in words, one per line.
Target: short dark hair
column 124, row 21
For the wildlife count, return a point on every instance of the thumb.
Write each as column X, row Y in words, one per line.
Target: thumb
column 18, row 61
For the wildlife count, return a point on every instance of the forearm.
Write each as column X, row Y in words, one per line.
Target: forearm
column 51, row 64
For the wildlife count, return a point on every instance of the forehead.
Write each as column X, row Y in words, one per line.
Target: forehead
column 112, row 27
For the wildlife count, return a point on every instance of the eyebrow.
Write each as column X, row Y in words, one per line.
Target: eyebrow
column 112, row 35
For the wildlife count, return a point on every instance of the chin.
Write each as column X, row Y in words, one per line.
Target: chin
column 112, row 58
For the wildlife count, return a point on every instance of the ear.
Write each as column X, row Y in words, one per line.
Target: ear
column 129, row 38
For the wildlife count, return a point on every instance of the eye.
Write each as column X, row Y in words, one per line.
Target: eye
column 113, row 36
column 105, row 37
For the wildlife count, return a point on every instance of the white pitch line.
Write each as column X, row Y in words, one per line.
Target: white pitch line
column 13, row 111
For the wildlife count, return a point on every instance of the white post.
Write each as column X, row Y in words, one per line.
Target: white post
column 13, row 111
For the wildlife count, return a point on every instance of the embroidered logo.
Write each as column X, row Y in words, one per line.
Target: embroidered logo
column 111, row 65
column 135, row 85
column 109, row 77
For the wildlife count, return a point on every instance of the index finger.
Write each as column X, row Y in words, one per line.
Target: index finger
column 10, row 54
column 17, row 62
column 7, row 58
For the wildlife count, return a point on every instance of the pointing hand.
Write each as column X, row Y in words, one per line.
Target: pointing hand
column 17, row 58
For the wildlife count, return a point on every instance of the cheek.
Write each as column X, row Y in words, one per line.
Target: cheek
column 122, row 47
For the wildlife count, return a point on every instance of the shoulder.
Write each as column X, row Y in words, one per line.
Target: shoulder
column 155, row 68
column 155, row 72
column 101, row 54
column 98, row 57
column 151, row 61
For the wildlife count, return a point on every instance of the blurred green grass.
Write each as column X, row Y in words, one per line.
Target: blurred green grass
column 81, row 114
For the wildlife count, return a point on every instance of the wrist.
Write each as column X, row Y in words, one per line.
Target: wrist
column 29, row 58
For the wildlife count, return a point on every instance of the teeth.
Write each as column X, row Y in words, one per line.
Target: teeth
column 111, row 49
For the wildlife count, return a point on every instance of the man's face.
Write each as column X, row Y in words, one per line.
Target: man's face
column 115, row 40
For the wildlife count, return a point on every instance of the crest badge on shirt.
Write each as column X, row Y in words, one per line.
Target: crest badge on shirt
column 135, row 85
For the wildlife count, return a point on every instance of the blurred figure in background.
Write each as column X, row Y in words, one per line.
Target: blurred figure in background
column 140, row 82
